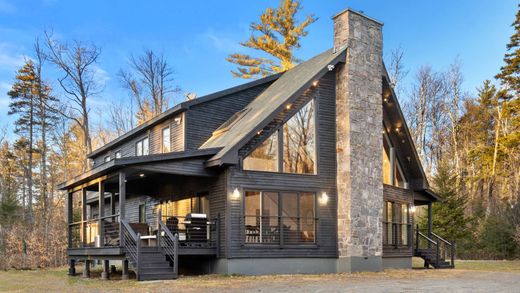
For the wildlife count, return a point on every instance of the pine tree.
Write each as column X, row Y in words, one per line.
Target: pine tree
column 278, row 34
column 23, row 103
column 510, row 72
column 449, row 219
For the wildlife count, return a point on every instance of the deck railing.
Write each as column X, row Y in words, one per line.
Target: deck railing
column 280, row 230
column 87, row 233
column 442, row 249
column 178, row 226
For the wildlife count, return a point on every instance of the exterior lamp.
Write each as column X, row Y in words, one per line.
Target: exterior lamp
column 412, row 209
column 315, row 83
column 324, row 198
column 141, row 175
column 236, row 194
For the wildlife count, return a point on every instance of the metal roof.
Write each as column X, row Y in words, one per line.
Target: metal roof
column 181, row 107
column 270, row 102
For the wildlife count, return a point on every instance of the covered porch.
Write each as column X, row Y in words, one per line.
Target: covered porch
column 145, row 216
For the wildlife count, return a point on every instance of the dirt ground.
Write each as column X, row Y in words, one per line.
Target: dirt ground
column 471, row 277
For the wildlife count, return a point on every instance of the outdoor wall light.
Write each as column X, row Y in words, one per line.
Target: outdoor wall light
column 315, row 83
column 236, row 194
column 288, row 107
column 324, row 198
column 141, row 175
column 412, row 209
column 177, row 120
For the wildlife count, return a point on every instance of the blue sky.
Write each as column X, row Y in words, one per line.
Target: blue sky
column 197, row 35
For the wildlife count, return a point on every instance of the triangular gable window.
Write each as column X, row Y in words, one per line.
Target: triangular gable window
column 297, row 141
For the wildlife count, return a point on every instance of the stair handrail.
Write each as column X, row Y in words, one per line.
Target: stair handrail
column 169, row 244
column 451, row 248
column 427, row 238
column 132, row 244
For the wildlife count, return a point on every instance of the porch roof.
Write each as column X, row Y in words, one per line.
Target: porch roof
column 191, row 162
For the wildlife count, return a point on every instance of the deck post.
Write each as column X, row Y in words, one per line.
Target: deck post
column 72, row 267
column 122, row 197
column 125, row 270
column 101, row 198
column 392, row 164
column 86, row 271
column 105, row 275
column 69, row 218
column 430, row 220
column 83, row 217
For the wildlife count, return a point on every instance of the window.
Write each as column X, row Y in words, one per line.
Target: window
column 297, row 141
column 166, row 140
column 142, row 213
column 396, row 224
column 107, row 159
column 118, row 155
column 264, row 157
column 280, row 218
column 396, row 171
column 142, row 147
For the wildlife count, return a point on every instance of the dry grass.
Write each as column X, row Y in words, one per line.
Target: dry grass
column 56, row 280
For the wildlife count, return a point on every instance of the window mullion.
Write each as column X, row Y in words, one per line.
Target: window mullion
column 280, row 149
column 280, row 218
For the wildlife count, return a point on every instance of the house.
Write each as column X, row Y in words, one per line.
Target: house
column 309, row 171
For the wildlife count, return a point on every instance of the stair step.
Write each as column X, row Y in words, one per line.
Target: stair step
column 156, row 276
column 156, row 265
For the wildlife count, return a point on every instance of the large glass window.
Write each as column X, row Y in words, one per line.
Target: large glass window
column 297, row 141
column 398, row 179
column 279, row 217
column 396, row 224
column 264, row 157
column 166, row 140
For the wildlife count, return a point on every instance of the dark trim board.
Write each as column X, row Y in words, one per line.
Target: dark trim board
column 96, row 251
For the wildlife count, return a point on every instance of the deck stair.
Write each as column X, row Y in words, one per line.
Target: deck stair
column 158, row 262
column 434, row 250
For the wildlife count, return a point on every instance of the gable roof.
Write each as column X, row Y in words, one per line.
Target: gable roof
column 179, row 108
column 264, row 107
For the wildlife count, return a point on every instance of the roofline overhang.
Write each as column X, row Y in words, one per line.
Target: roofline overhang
column 231, row 157
column 179, row 108
column 116, row 164
column 430, row 193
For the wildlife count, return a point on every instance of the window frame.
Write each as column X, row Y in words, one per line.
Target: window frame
column 280, row 243
column 397, row 225
column 169, row 139
column 141, row 142
column 142, row 213
column 279, row 132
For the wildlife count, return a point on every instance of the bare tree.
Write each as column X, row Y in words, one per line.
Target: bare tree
column 396, row 69
column 121, row 117
column 150, row 81
column 76, row 61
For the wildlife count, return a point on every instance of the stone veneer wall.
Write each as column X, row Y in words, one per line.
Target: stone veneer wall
column 359, row 116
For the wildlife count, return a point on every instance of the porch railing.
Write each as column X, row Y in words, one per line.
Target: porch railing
column 280, row 230
column 176, row 225
column 87, row 233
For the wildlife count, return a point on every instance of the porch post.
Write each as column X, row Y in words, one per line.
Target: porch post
column 69, row 218
column 429, row 219
column 112, row 205
column 72, row 268
column 122, row 197
column 105, row 275
column 125, row 269
column 86, row 271
column 83, row 217
column 101, row 198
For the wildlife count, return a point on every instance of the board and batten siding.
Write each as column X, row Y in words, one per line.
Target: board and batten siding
column 324, row 181
column 154, row 134
column 402, row 196
column 204, row 118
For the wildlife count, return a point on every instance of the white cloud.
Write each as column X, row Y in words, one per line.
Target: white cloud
column 11, row 61
column 101, row 76
column 222, row 42
column 6, row 7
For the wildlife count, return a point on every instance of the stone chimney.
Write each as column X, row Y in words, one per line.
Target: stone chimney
column 359, row 142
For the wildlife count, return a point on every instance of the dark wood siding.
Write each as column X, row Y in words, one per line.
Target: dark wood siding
column 202, row 119
column 403, row 196
column 324, row 181
column 127, row 148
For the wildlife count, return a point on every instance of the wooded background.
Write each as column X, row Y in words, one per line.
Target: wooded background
column 469, row 144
